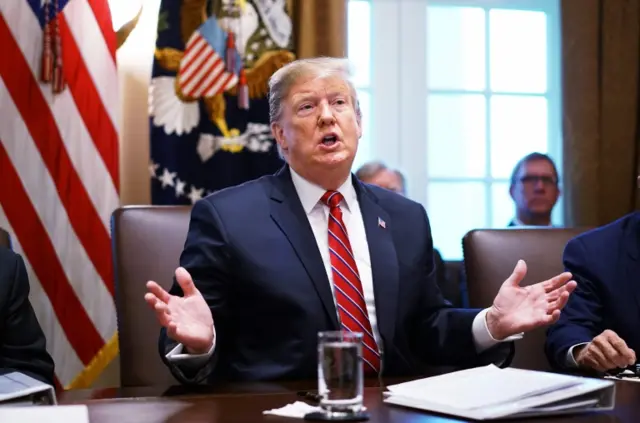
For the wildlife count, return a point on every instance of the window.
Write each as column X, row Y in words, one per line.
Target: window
column 458, row 91
column 359, row 46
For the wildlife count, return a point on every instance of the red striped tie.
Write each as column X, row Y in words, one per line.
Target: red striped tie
column 346, row 281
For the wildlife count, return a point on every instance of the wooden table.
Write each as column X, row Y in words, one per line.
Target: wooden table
column 244, row 403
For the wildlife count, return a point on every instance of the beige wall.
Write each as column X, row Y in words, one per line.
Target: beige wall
column 134, row 70
column 135, row 58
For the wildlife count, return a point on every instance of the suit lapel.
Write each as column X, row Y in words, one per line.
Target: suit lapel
column 384, row 261
column 289, row 215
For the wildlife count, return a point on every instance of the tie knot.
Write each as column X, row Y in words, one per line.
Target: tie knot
column 332, row 198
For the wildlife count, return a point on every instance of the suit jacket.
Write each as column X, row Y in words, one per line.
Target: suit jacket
column 605, row 263
column 22, row 343
column 448, row 284
column 254, row 258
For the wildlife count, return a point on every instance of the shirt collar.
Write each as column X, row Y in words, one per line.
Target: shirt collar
column 310, row 193
column 518, row 222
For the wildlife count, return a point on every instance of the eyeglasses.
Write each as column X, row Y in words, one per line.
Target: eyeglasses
column 534, row 179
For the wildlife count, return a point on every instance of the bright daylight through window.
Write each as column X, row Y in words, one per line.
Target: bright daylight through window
column 454, row 93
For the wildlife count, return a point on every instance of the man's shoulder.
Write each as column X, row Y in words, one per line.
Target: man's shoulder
column 599, row 249
column 389, row 199
column 8, row 264
column 8, row 259
column 604, row 236
column 245, row 193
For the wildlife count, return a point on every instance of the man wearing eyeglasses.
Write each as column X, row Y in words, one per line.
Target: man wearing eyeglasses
column 534, row 190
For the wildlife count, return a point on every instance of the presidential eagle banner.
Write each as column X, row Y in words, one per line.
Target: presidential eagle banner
column 209, row 112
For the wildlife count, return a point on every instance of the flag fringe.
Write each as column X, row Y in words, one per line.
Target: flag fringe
column 100, row 362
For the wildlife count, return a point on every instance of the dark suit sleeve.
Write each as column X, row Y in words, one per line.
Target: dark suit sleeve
column 23, row 343
column 450, row 292
column 581, row 318
column 206, row 258
column 442, row 334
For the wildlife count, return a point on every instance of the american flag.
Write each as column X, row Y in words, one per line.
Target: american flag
column 202, row 70
column 59, row 174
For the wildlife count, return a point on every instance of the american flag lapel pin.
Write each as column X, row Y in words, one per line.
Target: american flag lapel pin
column 381, row 223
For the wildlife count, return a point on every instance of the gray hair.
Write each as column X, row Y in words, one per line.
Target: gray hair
column 532, row 157
column 284, row 78
column 370, row 170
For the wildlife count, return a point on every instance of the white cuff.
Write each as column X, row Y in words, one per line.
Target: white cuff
column 570, row 360
column 176, row 354
column 482, row 338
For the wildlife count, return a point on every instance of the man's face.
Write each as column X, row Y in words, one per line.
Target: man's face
column 536, row 188
column 318, row 130
column 387, row 179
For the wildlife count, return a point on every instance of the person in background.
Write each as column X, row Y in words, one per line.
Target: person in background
column 22, row 342
column 270, row 263
column 377, row 173
column 534, row 189
column 599, row 328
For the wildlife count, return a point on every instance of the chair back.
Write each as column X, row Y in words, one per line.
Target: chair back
column 490, row 255
column 147, row 242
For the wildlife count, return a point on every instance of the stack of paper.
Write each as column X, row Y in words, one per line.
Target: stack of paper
column 490, row 392
column 49, row 414
column 19, row 389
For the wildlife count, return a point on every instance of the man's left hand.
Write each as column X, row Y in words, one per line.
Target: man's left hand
column 519, row 309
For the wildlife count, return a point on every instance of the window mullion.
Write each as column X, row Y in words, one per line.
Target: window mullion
column 487, row 66
column 386, row 61
column 412, row 132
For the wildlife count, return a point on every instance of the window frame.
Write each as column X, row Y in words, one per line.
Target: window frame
column 399, row 93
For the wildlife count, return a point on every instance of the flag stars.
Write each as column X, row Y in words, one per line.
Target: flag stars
column 167, row 178
column 179, row 187
column 195, row 194
column 153, row 168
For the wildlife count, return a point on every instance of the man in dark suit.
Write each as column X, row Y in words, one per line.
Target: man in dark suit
column 598, row 329
column 275, row 261
column 22, row 343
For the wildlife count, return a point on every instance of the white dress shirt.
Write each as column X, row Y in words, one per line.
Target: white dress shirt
column 570, row 359
column 519, row 222
column 318, row 215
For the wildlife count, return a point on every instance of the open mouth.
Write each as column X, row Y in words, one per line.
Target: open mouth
column 329, row 140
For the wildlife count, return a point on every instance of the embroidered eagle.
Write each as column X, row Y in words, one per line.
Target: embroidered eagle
column 206, row 69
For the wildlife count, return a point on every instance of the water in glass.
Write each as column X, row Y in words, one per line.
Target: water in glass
column 340, row 372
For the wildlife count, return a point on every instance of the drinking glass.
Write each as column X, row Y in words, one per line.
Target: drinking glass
column 340, row 377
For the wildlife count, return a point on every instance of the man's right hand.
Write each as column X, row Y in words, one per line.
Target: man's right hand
column 188, row 319
column 607, row 351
